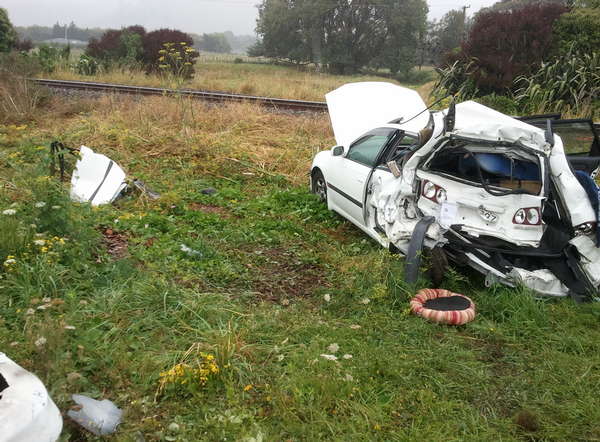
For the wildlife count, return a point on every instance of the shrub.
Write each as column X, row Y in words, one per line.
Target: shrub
column 501, row 47
column 569, row 85
column 180, row 42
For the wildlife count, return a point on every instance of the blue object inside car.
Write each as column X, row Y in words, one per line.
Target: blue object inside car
column 498, row 165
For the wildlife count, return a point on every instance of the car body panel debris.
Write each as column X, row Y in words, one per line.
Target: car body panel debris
column 96, row 178
column 504, row 194
column 99, row 417
column 27, row 413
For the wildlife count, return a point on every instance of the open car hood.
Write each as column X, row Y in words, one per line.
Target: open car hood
column 356, row 108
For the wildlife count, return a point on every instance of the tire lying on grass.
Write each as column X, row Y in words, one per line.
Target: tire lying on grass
column 443, row 306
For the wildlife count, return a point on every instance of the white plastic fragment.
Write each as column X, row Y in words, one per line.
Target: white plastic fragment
column 99, row 417
column 96, row 178
column 27, row 414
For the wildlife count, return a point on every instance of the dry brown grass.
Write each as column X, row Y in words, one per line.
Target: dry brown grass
column 244, row 78
column 224, row 139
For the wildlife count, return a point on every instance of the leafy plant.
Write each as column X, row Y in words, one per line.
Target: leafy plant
column 569, row 85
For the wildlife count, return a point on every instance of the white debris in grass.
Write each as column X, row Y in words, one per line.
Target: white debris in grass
column 333, row 348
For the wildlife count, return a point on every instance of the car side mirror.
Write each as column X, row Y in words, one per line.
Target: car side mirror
column 337, row 151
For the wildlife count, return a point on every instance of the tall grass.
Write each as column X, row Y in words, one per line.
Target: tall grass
column 274, row 282
column 244, row 78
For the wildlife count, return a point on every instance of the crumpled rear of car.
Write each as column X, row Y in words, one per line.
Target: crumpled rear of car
column 504, row 197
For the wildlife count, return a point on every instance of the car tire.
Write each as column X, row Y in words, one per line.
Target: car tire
column 319, row 186
column 439, row 263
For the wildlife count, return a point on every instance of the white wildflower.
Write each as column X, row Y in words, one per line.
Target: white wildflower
column 14, row 204
column 69, row 327
column 31, row 311
column 329, row 357
column 46, row 299
column 56, row 207
column 333, row 348
column 39, row 242
column 355, row 326
column 14, row 344
column 365, row 301
column 9, row 262
column 327, row 297
column 347, row 356
column 40, row 204
column 9, row 212
column 40, row 342
column 42, row 307
column 349, row 378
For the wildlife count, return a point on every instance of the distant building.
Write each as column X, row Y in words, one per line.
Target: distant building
column 65, row 41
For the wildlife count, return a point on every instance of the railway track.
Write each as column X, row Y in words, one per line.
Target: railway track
column 218, row 97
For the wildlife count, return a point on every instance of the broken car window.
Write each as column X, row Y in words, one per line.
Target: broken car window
column 497, row 170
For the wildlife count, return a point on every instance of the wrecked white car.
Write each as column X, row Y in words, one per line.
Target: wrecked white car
column 467, row 184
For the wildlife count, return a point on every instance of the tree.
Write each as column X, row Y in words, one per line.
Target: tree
column 8, row 36
column 344, row 35
column 579, row 29
column 154, row 45
column 215, row 42
column 445, row 35
column 503, row 46
column 133, row 45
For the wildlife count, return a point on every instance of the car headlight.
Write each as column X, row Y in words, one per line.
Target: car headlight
column 533, row 216
column 520, row 216
column 429, row 189
column 441, row 196
column 434, row 192
column 530, row 216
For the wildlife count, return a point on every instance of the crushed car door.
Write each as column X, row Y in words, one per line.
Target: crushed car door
column 383, row 183
column 349, row 178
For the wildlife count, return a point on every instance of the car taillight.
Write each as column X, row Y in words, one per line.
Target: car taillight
column 585, row 229
column 529, row 216
column 434, row 192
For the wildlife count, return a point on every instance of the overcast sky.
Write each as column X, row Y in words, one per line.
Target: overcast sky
column 196, row 16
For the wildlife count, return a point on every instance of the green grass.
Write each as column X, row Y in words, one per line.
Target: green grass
column 254, row 299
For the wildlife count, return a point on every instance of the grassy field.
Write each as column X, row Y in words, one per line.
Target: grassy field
column 260, row 79
column 216, row 317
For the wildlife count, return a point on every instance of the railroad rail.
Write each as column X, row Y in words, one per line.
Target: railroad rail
column 219, row 97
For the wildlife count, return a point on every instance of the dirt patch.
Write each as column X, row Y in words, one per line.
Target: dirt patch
column 276, row 275
column 207, row 208
column 115, row 243
column 345, row 232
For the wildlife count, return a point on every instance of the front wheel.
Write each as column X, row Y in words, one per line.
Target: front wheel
column 319, row 186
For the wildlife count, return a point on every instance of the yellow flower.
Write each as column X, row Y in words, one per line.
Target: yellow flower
column 247, row 387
